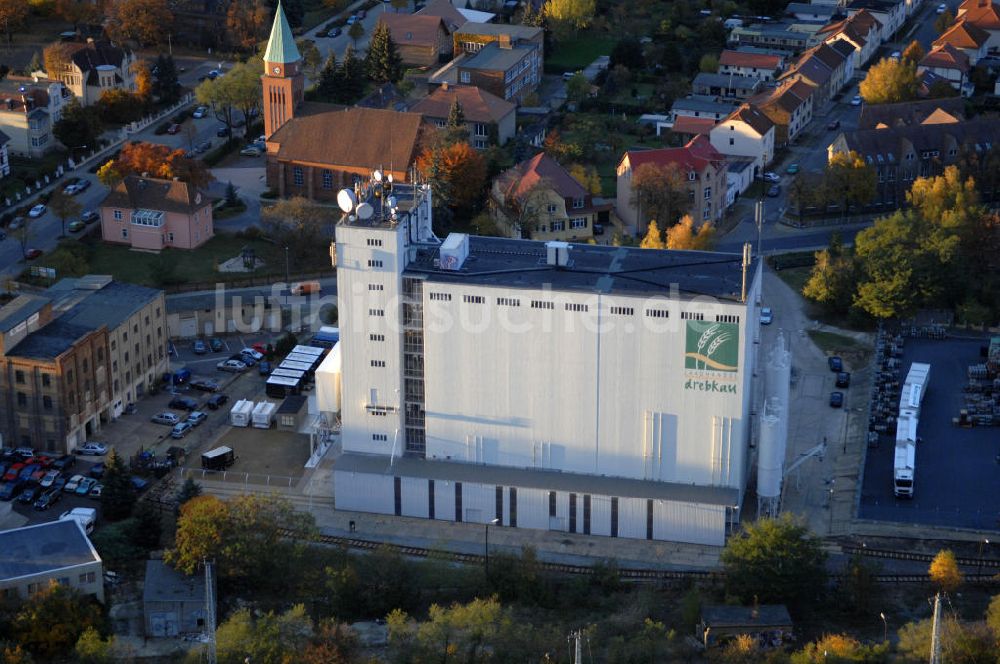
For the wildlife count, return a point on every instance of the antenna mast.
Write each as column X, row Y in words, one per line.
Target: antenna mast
column 210, row 612
column 936, row 632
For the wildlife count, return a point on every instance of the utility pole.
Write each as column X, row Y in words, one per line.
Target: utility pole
column 759, row 219
column 577, row 639
column 936, row 632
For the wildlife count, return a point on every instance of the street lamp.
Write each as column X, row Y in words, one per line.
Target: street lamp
column 885, row 627
column 286, row 264
column 491, row 523
column 981, row 543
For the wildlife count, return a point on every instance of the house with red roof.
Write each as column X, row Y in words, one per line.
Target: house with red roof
column 698, row 164
column 758, row 65
column 423, row 40
column 490, row 120
column 947, row 62
column 541, row 200
column 968, row 38
column 985, row 15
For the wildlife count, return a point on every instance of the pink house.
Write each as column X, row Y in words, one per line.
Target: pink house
column 152, row 214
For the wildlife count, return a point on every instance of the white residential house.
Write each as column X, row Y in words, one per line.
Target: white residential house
column 890, row 14
column 756, row 65
column 746, row 133
column 862, row 30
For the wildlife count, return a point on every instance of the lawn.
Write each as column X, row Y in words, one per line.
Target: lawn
column 194, row 265
column 575, row 54
column 795, row 277
column 832, row 343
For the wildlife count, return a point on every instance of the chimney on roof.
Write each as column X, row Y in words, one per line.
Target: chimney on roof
column 504, row 40
column 90, row 40
column 444, row 86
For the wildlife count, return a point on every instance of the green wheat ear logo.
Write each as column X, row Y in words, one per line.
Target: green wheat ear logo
column 712, row 346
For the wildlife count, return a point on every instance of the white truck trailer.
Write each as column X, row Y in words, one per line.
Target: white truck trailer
column 911, row 398
column 242, row 413
column 263, row 415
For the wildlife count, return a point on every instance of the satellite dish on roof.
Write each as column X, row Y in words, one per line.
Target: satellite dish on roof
column 391, row 202
column 365, row 211
column 389, row 177
column 346, row 200
column 377, row 175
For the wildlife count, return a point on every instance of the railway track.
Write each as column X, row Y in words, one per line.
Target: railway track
column 914, row 556
column 626, row 574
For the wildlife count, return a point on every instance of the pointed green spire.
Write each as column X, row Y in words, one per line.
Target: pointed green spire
column 281, row 45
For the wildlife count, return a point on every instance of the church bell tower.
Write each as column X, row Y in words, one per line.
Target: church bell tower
column 283, row 80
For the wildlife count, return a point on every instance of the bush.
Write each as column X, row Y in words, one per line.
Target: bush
column 270, row 194
column 220, row 153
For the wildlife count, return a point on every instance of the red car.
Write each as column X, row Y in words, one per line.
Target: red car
column 43, row 461
column 13, row 472
column 174, row 129
column 260, row 347
column 32, row 254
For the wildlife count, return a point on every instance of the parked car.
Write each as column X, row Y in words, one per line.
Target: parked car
column 215, row 344
column 843, row 379
column 942, row 8
column 169, row 419
column 183, row 403
column 180, row 430
column 205, row 385
column 772, row 177
column 37, row 211
column 199, row 347
column 896, row 55
column 92, row 449
column 174, row 129
column 352, row 20
column 835, row 363
column 766, row 316
column 50, row 478
column 264, row 369
column 222, row 132
column 836, row 399
column 29, row 495
column 48, row 499
column 33, row 253
column 85, row 486
column 65, row 462
column 89, row 216
column 28, row 471
column 196, row 417
column 16, row 223
column 203, row 147
column 42, row 460
column 774, row 191
column 82, row 184
column 246, row 358
column 9, row 490
column 97, row 470
column 73, row 482
column 200, row 112
column 25, row 452
column 96, row 490
column 217, row 401
column 336, row 32
column 792, row 169
column 59, row 484
column 13, row 471
column 835, row 124
column 856, row 100
column 138, row 484
column 231, row 365
column 256, row 351
column 250, row 151
column 75, row 226
column 71, row 189
column 362, row 14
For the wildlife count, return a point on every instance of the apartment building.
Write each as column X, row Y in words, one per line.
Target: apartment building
column 92, row 68
column 28, row 112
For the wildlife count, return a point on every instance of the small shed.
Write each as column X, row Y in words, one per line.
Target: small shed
column 769, row 624
column 172, row 603
column 292, row 412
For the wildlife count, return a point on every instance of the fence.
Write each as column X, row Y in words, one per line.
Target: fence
column 117, row 138
column 234, row 477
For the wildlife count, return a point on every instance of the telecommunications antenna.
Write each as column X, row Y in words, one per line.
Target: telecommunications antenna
column 377, row 175
column 346, row 200
column 391, row 202
column 365, row 211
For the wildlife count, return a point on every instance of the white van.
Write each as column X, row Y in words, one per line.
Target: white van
column 86, row 516
column 305, row 288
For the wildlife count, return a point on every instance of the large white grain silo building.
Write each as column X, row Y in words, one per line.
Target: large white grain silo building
column 578, row 388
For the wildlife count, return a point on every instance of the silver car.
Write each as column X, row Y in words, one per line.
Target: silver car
column 166, row 418
column 234, row 366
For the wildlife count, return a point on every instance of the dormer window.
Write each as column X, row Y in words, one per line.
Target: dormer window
column 692, row 176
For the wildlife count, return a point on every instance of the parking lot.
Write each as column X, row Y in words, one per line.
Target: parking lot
column 957, row 478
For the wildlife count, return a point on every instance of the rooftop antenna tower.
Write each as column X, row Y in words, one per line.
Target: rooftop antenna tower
column 210, row 613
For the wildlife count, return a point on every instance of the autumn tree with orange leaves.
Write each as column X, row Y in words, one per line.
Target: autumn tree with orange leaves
column 457, row 174
column 158, row 161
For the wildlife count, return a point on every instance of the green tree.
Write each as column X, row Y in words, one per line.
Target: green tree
column 245, row 536
column 238, row 91
column 944, row 21
column 839, row 649
column 993, row 615
column 566, row 17
column 116, row 544
column 774, row 561
column 682, row 235
column 577, row 88
column 944, row 571
column 890, row 81
column 143, row 21
column 849, row 179
column 13, row 13
column 466, row 632
column 833, row 279
column 49, row 624
column 119, row 106
column 661, row 193
column 961, row 643
column 92, row 649
column 356, row 32
column 64, row 206
column 352, row 77
column 858, row 586
column 628, row 53
column 190, row 489
column 329, row 77
column 79, row 127
column 149, row 525
column 118, row 497
column 894, row 266
column 383, row 62
column 653, row 238
column 312, row 59
column 709, row 63
column 914, row 52
column 268, row 638
column 166, row 86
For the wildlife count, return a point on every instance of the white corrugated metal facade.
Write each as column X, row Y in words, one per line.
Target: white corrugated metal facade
column 536, row 379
